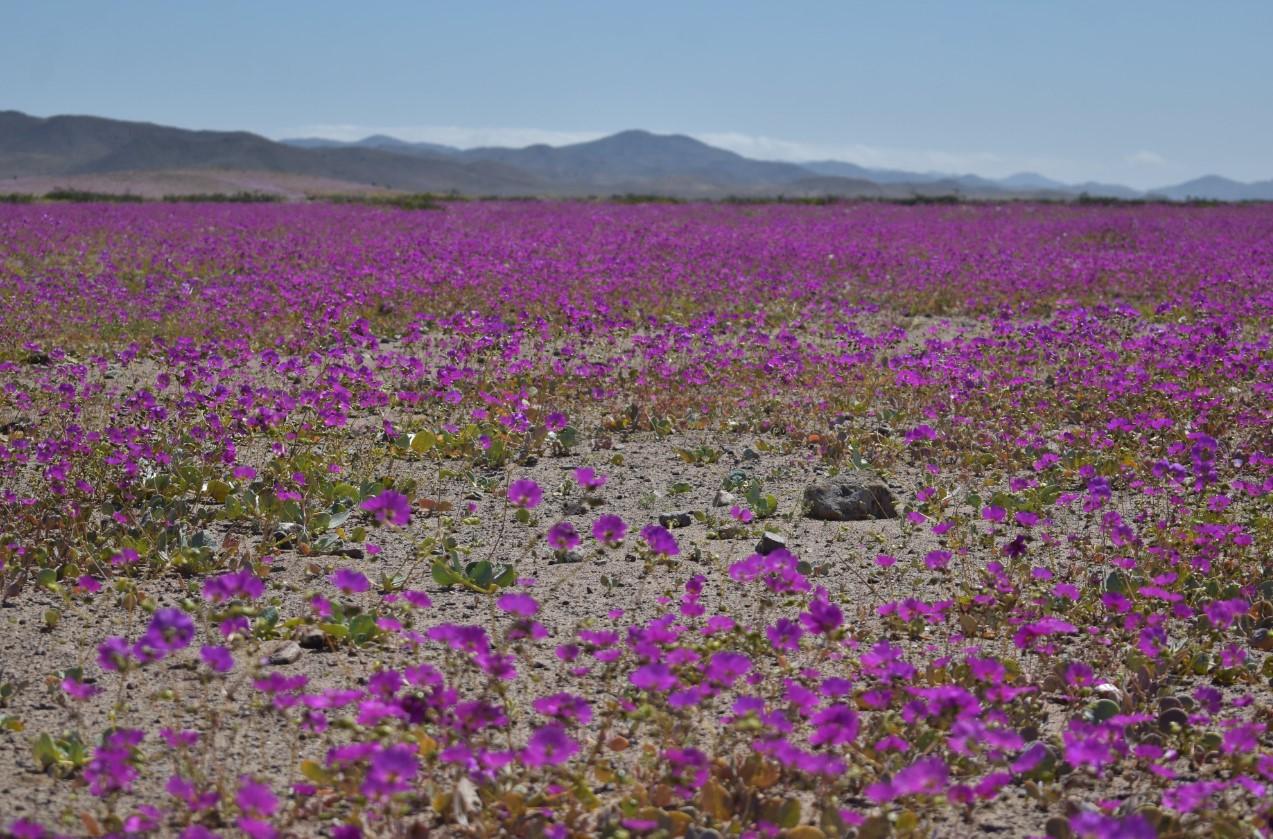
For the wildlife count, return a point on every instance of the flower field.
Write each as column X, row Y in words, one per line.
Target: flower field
column 520, row 519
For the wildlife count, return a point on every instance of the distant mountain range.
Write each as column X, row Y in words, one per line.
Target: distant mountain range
column 74, row 150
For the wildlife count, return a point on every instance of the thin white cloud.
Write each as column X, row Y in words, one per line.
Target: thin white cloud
column 1145, row 157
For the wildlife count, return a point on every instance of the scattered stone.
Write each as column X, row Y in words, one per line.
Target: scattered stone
column 285, row 653
column 1108, row 691
column 312, row 639
column 1262, row 639
column 574, row 507
column 724, row 499
column 770, row 542
column 1173, row 718
column 287, row 535
column 750, row 454
column 1057, row 827
column 849, row 496
column 567, row 558
column 351, row 553
column 693, row 832
column 672, row 520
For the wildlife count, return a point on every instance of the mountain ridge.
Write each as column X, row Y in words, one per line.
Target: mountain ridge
column 34, row 149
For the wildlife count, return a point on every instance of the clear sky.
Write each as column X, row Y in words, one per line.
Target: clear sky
column 1143, row 93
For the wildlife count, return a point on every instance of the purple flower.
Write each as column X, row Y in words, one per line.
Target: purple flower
column 392, row 770
column 555, row 421
column 659, row 540
column 823, row 616
column 785, row 635
column 562, row 536
column 76, row 689
column 112, row 766
column 587, row 478
column 525, row 493
column 937, row 560
column 518, row 604
column 1091, row 825
column 549, row 745
column 114, row 654
column 255, row 798
column 657, row 677
column 350, row 581
column 242, row 583
column 217, row 658
column 170, row 630
column 834, row 725
column 565, row 707
column 725, row 667
column 609, row 530
column 390, row 508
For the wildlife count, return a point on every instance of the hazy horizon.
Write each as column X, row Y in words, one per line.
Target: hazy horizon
column 1143, row 94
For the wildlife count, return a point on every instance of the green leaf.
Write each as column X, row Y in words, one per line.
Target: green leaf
column 480, row 573
column 506, row 577
column 335, row 630
column 362, row 629
column 218, row 490
column 444, row 575
column 423, row 441
column 45, row 752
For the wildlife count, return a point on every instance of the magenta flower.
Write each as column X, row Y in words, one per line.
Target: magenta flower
column 937, row 560
column 515, row 603
column 390, row 508
column 785, row 635
column 549, row 745
column 655, row 677
column 242, row 583
column 392, row 770
column 169, row 630
column 834, row 725
column 525, row 493
column 255, row 798
column 350, row 581
column 660, row 540
column 726, row 667
column 217, row 658
column 823, row 616
column 562, row 536
column 588, row 478
column 565, row 707
column 114, row 654
column 609, row 530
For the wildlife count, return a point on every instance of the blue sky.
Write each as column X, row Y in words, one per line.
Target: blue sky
column 1144, row 93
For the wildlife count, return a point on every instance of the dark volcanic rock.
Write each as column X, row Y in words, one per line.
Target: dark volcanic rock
column 849, row 496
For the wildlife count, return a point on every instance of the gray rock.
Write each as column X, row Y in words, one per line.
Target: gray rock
column 849, row 496
column 313, row 639
column 673, row 520
column 770, row 542
column 750, row 454
column 285, row 653
column 574, row 507
column 724, row 499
